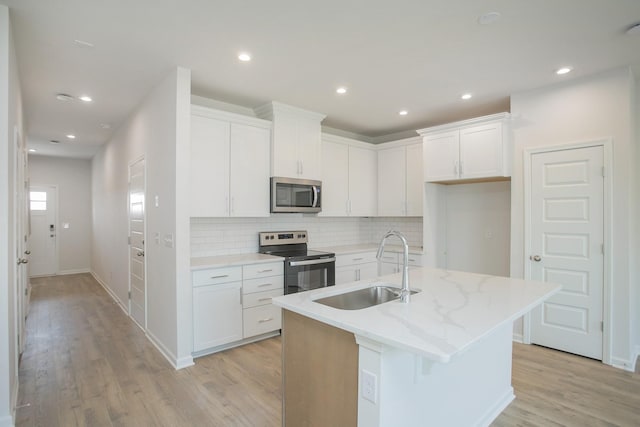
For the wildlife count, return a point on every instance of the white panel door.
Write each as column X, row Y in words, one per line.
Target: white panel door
column 481, row 151
column 43, row 207
column 363, row 182
column 335, row 179
column 209, row 180
column 392, row 182
column 567, row 226
column 137, row 265
column 415, row 183
column 441, row 154
column 249, row 166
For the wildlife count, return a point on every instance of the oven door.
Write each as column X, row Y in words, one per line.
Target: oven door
column 304, row 275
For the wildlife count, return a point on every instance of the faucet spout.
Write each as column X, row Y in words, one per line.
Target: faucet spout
column 405, row 293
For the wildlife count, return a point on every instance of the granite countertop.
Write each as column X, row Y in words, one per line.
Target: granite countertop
column 203, row 263
column 453, row 311
column 366, row 247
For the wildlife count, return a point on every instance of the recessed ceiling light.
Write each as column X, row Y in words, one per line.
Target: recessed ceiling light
column 71, row 136
column 54, row 141
column 489, row 18
column 341, row 90
column 466, row 96
column 403, row 112
column 563, row 70
column 32, row 150
column 82, row 43
column 244, row 57
column 85, row 98
column 64, row 97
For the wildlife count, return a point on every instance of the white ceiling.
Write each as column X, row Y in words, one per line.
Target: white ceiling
column 419, row 55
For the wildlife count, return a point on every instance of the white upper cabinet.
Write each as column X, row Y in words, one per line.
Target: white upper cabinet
column 400, row 178
column 229, row 173
column 349, row 177
column 469, row 150
column 296, row 140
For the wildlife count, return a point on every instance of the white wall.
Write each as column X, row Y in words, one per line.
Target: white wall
column 73, row 179
column 578, row 110
column 10, row 119
column 635, row 217
column 478, row 227
column 158, row 130
column 224, row 236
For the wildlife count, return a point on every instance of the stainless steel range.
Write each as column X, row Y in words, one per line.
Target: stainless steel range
column 304, row 269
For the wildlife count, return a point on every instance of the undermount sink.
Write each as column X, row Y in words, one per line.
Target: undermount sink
column 362, row 298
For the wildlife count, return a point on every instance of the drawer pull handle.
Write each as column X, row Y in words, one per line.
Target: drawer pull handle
column 220, row 276
column 358, row 259
column 265, row 284
column 264, row 299
column 268, row 319
column 265, row 271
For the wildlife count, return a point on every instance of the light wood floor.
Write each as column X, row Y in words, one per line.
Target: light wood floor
column 86, row 363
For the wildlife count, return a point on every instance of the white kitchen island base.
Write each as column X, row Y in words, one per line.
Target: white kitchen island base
column 471, row 390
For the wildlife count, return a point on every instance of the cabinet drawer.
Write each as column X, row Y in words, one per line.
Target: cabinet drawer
column 215, row 276
column 263, row 270
column 390, row 257
column 260, row 320
column 260, row 298
column 263, row 284
column 358, row 258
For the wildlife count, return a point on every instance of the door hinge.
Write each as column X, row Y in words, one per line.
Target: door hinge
column 601, row 326
column 602, row 248
column 129, row 294
column 603, row 172
column 128, row 240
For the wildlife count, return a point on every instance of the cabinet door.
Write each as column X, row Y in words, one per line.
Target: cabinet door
column 217, row 315
column 414, row 180
column 392, row 182
column 285, row 147
column 335, row 178
column 481, row 151
column 368, row 271
column 388, row 268
column 363, row 182
column 346, row 274
column 441, row 155
column 309, row 149
column 209, row 171
column 249, row 176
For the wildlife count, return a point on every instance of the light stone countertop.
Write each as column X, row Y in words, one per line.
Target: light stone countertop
column 202, row 263
column 453, row 311
column 366, row 247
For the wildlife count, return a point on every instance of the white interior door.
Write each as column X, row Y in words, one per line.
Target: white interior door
column 567, row 237
column 22, row 252
column 43, row 210
column 137, row 265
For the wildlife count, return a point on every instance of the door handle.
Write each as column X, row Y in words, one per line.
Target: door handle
column 27, row 252
column 535, row 258
column 22, row 261
column 140, row 253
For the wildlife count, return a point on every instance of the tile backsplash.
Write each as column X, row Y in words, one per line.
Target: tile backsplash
column 225, row 236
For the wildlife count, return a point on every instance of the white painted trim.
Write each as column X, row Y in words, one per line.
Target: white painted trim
column 113, row 296
column 636, row 354
column 199, row 110
column 271, row 109
column 607, row 145
column 234, row 344
column 75, row 271
column 626, row 365
column 464, row 123
column 14, row 397
column 327, row 137
column 7, row 421
column 168, row 354
column 493, row 412
column 519, row 338
column 399, row 143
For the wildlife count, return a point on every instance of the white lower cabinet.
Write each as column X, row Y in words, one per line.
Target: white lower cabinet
column 217, row 314
column 355, row 267
column 233, row 304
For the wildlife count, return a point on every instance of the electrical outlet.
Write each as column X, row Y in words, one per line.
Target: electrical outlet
column 369, row 386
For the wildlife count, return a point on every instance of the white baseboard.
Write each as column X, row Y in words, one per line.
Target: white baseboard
column 626, row 365
column 110, row 292
column 6, row 421
column 636, row 354
column 518, row 338
column 168, row 354
column 77, row 271
column 497, row 409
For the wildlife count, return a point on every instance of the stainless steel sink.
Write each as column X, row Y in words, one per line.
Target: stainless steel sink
column 362, row 298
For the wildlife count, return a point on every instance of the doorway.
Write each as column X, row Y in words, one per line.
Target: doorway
column 43, row 208
column 565, row 243
column 137, row 264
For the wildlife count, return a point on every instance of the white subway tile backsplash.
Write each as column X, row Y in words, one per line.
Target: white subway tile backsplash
column 225, row 236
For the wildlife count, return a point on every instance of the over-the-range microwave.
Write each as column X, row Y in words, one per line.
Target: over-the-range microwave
column 293, row 195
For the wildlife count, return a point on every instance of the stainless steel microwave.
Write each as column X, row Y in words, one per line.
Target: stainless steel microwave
column 292, row 195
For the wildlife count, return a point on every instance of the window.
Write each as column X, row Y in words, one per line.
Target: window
column 38, row 200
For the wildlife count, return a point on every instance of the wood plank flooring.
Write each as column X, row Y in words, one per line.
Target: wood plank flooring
column 87, row 364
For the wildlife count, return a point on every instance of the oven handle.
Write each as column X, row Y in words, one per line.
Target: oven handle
column 312, row 262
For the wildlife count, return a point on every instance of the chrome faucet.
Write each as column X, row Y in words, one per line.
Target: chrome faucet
column 405, row 293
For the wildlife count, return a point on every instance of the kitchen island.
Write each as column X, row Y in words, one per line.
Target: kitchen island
column 444, row 359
